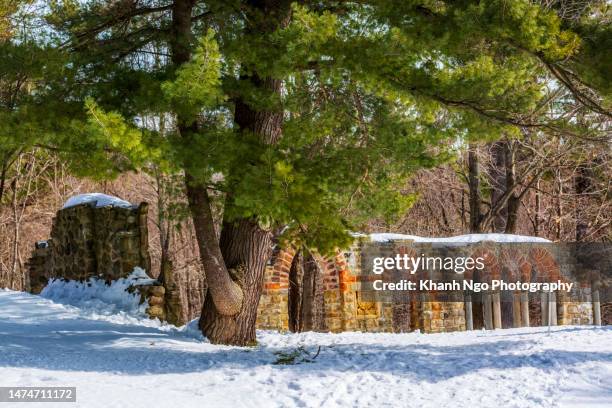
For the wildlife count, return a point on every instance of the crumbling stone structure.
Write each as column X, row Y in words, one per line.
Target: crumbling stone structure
column 108, row 242
column 102, row 242
column 351, row 304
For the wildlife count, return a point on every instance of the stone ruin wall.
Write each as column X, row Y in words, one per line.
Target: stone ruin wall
column 349, row 304
column 97, row 242
column 109, row 242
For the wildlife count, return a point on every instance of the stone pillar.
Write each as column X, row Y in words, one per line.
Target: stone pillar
column 333, row 304
column 516, row 309
column 469, row 317
column 347, row 281
column 563, row 308
column 524, row 309
column 497, row 321
column 272, row 312
column 487, row 311
column 596, row 307
column 552, row 297
column 155, row 295
column 545, row 308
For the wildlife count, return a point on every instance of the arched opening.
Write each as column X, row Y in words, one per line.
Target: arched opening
column 305, row 300
column 545, row 269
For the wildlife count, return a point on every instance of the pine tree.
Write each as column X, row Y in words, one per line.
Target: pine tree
column 314, row 113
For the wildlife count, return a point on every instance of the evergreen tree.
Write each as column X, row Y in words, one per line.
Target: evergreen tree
column 313, row 112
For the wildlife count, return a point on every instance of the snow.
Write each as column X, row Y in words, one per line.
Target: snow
column 124, row 361
column 97, row 200
column 139, row 277
column 459, row 239
column 97, row 296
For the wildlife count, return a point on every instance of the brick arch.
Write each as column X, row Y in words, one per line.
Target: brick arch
column 492, row 269
column 273, row 311
column 516, row 264
column 411, row 252
column 335, row 270
column 277, row 271
column 545, row 265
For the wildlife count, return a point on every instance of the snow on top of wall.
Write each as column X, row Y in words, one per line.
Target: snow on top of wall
column 459, row 239
column 97, row 199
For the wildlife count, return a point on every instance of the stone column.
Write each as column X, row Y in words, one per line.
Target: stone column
column 497, row 321
column 487, row 311
column 545, row 308
column 516, row 309
column 469, row 318
column 563, row 309
column 552, row 297
column 596, row 307
column 525, row 309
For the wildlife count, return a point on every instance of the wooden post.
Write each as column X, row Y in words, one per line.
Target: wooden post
column 497, row 321
column 516, row 309
column 596, row 308
column 487, row 311
column 545, row 308
column 469, row 317
column 525, row 309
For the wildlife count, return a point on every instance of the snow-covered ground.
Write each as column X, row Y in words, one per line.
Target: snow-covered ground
column 119, row 360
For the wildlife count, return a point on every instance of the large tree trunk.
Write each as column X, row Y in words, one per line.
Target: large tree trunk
column 225, row 300
column 227, row 294
column 245, row 245
column 296, row 293
column 246, row 248
column 235, row 264
column 313, row 307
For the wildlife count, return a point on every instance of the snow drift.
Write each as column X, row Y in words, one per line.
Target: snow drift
column 97, row 296
column 127, row 363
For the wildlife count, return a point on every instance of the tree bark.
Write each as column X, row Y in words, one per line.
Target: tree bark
column 245, row 245
column 538, row 209
column 313, row 307
column 3, row 178
column 246, row 248
column 296, row 292
column 234, row 265
column 226, row 294
column 583, row 185
column 498, row 179
column 225, row 301
column 474, row 190
column 15, row 246
column 559, row 204
column 512, row 206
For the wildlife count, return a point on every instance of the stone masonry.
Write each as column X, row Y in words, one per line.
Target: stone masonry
column 108, row 242
column 351, row 305
column 97, row 242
